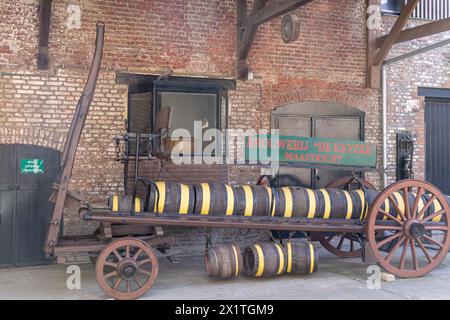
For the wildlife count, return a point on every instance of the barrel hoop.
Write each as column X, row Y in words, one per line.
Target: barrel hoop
column 348, row 199
column 206, row 195
column 248, row 201
column 272, row 212
column 289, row 257
column 288, row 201
column 184, row 201
column 260, row 253
column 327, row 209
column 115, row 206
column 387, row 208
column 312, row 203
column 236, row 259
column 137, row 204
column 361, row 197
column 281, row 257
column 437, row 207
column 230, row 200
column 161, row 185
column 311, row 262
column 400, row 203
column 269, row 193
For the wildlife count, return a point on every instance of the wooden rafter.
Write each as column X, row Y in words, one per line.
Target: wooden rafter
column 247, row 25
column 425, row 30
column 390, row 39
column 377, row 50
column 44, row 33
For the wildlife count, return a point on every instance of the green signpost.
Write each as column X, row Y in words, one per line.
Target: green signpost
column 32, row 166
column 311, row 151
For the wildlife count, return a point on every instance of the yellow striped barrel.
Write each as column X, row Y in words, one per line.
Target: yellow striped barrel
column 222, row 199
column 323, row 203
column 124, row 203
column 302, row 257
column 223, row 261
column 396, row 206
column 265, row 259
column 171, row 197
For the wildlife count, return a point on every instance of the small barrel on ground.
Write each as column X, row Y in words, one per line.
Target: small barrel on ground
column 265, row 260
column 302, row 257
column 223, row 261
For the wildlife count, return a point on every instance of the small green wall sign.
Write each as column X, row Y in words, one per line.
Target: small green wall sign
column 311, row 151
column 32, row 166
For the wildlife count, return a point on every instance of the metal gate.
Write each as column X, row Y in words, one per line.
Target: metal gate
column 26, row 176
column 318, row 119
column 437, row 141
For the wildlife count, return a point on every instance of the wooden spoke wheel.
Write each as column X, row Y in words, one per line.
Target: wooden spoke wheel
column 341, row 244
column 126, row 269
column 412, row 238
column 349, row 183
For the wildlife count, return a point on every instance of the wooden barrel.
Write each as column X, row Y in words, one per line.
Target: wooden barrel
column 265, row 259
column 171, row 197
column 224, row 261
column 222, row 199
column 302, row 257
column 123, row 203
column 295, row 202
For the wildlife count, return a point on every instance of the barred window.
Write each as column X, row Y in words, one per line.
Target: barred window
column 425, row 9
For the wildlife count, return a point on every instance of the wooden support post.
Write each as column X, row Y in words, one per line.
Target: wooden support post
column 376, row 51
column 373, row 72
column 44, row 32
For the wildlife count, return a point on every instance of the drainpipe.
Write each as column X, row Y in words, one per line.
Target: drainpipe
column 384, row 121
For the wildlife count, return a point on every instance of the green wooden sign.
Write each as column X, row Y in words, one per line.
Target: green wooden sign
column 32, row 166
column 310, row 151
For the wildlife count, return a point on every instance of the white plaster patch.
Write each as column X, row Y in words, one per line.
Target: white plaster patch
column 73, row 17
column 412, row 105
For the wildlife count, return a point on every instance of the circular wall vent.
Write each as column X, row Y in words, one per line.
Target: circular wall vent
column 290, row 28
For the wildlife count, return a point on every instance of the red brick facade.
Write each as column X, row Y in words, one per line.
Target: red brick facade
column 195, row 38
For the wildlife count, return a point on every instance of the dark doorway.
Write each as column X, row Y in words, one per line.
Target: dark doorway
column 26, row 176
column 437, row 140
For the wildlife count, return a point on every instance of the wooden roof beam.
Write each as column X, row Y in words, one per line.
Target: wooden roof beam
column 247, row 25
column 425, row 30
column 272, row 11
column 393, row 35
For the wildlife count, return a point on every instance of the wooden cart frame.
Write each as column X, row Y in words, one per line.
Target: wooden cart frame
column 127, row 267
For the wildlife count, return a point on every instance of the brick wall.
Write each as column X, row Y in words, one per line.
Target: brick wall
column 405, row 110
column 193, row 38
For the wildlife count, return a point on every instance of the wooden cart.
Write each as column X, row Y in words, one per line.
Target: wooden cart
column 404, row 244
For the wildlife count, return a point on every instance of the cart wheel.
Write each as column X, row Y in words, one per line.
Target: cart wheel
column 126, row 269
column 341, row 245
column 349, row 183
column 410, row 229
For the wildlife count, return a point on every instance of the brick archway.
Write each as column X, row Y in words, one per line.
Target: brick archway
column 33, row 136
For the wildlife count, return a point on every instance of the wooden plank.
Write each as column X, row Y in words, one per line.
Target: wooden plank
column 395, row 32
column 44, row 33
column 425, row 30
column 272, row 11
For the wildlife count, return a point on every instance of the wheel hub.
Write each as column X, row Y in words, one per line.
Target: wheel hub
column 414, row 229
column 128, row 269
